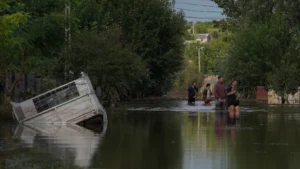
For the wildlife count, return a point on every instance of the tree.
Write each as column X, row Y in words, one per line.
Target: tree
column 258, row 53
column 261, row 10
column 200, row 28
column 215, row 52
column 188, row 75
column 115, row 69
column 285, row 77
column 225, row 25
column 45, row 37
column 284, row 80
column 255, row 10
column 151, row 29
column 12, row 52
column 249, row 56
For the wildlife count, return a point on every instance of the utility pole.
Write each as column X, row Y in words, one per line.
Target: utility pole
column 199, row 58
column 67, row 36
column 193, row 28
column 173, row 4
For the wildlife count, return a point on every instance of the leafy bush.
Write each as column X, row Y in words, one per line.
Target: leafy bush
column 115, row 69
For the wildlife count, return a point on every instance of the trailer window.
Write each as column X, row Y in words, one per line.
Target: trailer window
column 56, row 97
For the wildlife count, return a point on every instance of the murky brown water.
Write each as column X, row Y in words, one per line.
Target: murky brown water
column 262, row 137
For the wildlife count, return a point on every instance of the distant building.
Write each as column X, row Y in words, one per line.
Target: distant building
column 270, row 97
column 204, row 38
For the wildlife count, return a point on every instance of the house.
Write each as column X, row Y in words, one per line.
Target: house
column 270, row 97
column 204, row 38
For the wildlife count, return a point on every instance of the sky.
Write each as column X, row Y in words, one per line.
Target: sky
column 199, row 10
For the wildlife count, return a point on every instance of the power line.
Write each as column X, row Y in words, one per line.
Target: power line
column 186, row 3
column 198, row 11
column 196, row 17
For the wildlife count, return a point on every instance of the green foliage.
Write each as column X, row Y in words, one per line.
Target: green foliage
column 206, row 27
column 201, row 28
column 212, row 57
column 145, row 47
column 39, row 35
column 284, row 79
column 31, row 38
column 225, row 25
column 188, row 75
column 151, row 29
column 264, row 50
column 256, row 10
column 212, row 54
column 10, row 42
column 250, row 56
column 188, row 35
column 261, row 10
column 115, row 69
column 44, row 33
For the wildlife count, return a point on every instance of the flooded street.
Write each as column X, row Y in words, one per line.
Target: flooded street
column 161, row 135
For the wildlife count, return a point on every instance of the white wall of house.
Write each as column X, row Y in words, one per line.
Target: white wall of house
column 273, row 98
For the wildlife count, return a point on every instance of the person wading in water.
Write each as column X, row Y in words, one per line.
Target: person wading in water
column 220, row 93
column 233, row 97
column 206, row 95
column 192, row 93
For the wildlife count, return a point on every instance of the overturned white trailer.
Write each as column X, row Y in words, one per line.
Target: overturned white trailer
column 73, row 102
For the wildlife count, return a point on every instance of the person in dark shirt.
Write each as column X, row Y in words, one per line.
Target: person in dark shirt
column 220, row 93
column 192, row 93
column 2, row 87
column 233, row 97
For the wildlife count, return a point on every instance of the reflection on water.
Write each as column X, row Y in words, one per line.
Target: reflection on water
column 169, row 140
column 69, row 142
column 179, row 106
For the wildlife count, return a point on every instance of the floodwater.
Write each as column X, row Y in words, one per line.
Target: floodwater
column 161, row 135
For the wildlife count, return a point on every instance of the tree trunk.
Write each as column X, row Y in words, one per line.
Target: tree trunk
column 15, row 80
column 26, row 82
column 12, row 92
column 287, row 99
column 7, row 94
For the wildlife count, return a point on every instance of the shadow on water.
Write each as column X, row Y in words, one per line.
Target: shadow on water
column 261, row 137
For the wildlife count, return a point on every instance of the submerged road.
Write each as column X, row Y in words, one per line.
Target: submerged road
column 162, row 135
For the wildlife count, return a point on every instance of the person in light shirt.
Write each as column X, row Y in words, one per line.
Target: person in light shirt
column 206, row 95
